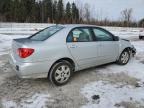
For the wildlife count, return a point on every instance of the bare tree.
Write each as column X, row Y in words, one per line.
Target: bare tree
column 87, row 14
column 80, row 5
column 127, row 16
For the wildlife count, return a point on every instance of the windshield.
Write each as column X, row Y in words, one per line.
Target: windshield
column 46, row 33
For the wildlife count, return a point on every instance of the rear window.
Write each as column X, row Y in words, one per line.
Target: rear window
column 46, row 33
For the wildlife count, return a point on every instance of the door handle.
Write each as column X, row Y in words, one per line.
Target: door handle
column 73, row 46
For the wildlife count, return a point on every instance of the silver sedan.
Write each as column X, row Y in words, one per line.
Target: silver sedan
column 58, row 51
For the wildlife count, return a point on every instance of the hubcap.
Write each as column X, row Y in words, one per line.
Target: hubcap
column 125, row 57
column 62, row 74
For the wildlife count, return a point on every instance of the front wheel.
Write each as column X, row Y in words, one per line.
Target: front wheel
column 60, row 73
column 124, row 57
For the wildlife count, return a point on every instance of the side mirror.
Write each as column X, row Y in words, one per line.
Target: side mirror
column 116, row 38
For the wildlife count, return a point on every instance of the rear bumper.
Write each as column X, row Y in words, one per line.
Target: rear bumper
column 30, row 70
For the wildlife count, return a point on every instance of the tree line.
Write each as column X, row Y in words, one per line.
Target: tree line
column 125, row 20
column 55, row 11
column 42, row 11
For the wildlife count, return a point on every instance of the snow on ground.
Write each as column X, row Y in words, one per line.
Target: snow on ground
column 17, row 31
column 4, row 43
column 111, row 95
column 36, row 101
column 139, row 45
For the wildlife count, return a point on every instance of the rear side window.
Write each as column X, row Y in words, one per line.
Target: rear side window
column 80, row 35
column 102, row 35
column 46, row 33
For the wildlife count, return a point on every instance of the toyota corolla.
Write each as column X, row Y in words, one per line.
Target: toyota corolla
column 58, row 51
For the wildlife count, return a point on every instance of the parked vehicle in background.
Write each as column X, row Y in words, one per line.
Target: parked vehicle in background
column 58, row 51
column 141, row 34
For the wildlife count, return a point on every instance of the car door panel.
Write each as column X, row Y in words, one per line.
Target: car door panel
column 84, row 50
column 84, row 53
column 108, row 49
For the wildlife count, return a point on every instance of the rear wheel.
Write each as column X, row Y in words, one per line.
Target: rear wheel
column 124, row 57
column 61, row 73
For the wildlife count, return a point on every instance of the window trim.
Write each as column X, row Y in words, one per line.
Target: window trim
column 90, row 30
column 110, row 34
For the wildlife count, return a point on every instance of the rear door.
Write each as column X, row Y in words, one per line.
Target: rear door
column 82, row 46
column 108, row 48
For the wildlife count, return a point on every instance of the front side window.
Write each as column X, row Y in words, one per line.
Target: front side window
column 80, row 35
column 102, row 35
column 46, row 33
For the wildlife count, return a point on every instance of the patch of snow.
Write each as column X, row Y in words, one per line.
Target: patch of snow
column 139, row 45
column 9, row 104
column 110, row 95
column 19, row 31
column 4, row 43
column 134, row 69
column 36, row 101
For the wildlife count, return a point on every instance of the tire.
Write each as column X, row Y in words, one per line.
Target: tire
column 124, row 57
column 61, row 73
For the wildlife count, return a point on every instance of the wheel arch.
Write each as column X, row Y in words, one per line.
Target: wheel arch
column 126, row 48
column 63, row 59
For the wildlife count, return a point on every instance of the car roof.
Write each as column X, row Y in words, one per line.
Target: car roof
column 77, row 25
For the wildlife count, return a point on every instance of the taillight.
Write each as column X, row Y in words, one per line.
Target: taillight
column 25, row 52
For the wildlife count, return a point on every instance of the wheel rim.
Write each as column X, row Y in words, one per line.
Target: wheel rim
column 62, row 74
column 125, row 57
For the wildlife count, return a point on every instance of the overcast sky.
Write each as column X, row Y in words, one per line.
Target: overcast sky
column 112, row 8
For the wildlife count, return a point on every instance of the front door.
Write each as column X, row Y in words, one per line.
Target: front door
column 82, row 47
column 108, row 49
